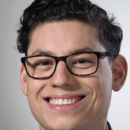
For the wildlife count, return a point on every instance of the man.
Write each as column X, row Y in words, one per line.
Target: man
column 71, row 63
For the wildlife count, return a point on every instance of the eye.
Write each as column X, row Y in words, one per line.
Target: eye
column 45, row 63
column 83, row 61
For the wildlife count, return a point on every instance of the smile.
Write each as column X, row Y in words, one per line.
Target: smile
column 65, row 101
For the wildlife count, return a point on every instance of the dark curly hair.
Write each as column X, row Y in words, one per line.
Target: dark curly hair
column 41, row 11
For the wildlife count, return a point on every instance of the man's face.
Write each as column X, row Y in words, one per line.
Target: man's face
column 61, row 39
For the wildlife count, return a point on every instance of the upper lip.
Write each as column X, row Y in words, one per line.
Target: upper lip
column 62, row 96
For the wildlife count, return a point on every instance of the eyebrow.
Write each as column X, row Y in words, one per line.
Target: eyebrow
column 84, row 49
column 43, row 52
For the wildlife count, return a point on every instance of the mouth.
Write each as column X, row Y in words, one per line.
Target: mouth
column 64, row 101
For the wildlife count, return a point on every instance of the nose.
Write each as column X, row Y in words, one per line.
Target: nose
column 62, row 77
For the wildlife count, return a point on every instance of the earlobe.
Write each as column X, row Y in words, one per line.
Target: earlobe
column 119, row 70
column 23, row 79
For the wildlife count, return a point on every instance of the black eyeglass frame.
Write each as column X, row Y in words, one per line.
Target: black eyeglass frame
column 63, row 58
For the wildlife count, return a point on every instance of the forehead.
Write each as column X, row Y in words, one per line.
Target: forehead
column 63, row 38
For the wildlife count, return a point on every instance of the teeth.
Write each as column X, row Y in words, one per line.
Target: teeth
column 62, row 101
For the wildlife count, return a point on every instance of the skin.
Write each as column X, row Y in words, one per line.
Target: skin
column 61, row 39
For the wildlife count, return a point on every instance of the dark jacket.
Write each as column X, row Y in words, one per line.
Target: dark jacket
column 109, row 126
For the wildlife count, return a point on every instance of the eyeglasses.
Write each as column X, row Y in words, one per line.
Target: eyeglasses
column 79, row 64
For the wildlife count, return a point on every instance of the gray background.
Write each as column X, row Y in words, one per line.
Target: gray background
column 14, row 110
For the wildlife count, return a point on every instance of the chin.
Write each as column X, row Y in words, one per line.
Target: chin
column 61, row 127
column 67, row 124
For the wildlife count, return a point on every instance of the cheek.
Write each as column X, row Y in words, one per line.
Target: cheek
column 33, row 91
column 33, row 86
column 99, row 86
column 103, row 89
column 96, row 85
column 106, row 78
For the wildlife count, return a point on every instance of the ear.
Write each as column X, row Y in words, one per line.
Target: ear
column 23, row 79
column 119, row 70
